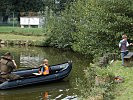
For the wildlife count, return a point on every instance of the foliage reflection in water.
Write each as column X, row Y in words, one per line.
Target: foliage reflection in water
column 27, row 57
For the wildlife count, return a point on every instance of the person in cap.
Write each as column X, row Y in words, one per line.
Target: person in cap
column 123, row 44
column 7, row 65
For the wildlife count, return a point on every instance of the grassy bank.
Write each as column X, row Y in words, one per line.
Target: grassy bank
column 123, row 91
column 22, row 40
column 21, row 31
column 100, row 84
column 20, row 37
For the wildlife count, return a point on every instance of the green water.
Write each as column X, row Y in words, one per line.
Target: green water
column 31, row 57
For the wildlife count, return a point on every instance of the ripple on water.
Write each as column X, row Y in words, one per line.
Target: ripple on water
column 70, row 98
column 59, row 96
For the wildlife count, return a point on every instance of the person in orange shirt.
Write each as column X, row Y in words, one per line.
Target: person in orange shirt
column 44, row 68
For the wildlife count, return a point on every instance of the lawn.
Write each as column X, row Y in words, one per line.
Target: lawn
column 21, row 31
column 20, row 37
column 30, row 36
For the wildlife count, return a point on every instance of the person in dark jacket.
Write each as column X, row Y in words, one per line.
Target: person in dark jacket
column 7, row 65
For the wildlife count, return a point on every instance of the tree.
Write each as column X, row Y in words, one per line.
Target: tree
column 9, row 6
column 5, row 7
column 57, row 5
column 92, row 26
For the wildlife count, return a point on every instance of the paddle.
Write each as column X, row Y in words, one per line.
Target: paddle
column 36, row 74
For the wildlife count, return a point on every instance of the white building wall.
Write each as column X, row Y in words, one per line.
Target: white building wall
column 31, row 21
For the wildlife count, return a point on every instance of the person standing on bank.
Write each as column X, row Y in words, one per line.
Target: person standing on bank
column 123, row 44
column 7, row 64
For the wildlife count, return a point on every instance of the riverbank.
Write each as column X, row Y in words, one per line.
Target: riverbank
column 105, row 86
column 22, row 36
column 123, row 91
column 21, row 40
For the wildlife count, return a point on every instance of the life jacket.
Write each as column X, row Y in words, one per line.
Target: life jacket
column 44, row 70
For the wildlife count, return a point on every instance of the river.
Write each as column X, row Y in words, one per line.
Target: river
column 27, row 57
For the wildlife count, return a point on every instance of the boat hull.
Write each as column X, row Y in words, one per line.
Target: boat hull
column 58, row 72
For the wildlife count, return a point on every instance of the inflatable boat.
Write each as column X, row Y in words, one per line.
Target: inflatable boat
column 28, row 76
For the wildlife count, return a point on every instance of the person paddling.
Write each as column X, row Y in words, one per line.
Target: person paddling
column 7, row 65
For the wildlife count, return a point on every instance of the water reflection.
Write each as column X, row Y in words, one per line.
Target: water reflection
column 31, row 57
column 56, row 91
column 45, row 95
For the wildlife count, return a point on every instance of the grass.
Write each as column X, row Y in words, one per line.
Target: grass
column 21, row 31
column 104, row 87
column 122, row 91
column 20, row 37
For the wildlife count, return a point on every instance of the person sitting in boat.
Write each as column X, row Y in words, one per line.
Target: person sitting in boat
column 44, row 68
column 7, row 65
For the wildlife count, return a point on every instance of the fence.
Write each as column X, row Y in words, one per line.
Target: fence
column 8, row 19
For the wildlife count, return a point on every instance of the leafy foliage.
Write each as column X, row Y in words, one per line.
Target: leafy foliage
column 23, row 5
column 92, row 26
